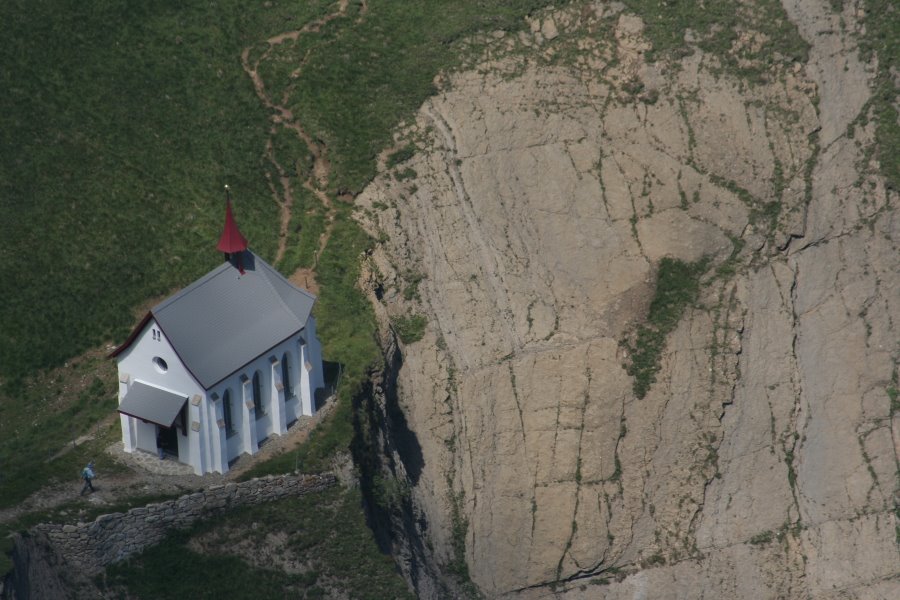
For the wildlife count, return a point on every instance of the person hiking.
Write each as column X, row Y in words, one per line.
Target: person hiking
column 88, row 474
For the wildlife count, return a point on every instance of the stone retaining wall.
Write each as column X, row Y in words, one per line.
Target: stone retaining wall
column 113, row 537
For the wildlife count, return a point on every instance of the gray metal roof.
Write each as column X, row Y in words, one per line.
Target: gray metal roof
column 225, row 319
column 152, row 404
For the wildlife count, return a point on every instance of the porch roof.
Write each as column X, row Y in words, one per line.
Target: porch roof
column 150, row 403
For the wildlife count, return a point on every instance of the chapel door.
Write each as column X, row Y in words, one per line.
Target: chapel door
column 168, row 440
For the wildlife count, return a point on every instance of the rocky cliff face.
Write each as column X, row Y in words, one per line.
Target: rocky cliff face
column 550, row 180
column 41, row 572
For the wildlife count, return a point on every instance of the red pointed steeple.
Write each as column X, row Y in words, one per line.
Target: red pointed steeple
column 231, row 240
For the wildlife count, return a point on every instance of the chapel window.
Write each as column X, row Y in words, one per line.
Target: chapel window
column 226, row 410
column 257, row 395
column 286, row 375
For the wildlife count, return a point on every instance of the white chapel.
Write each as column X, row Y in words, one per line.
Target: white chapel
column 212, row 371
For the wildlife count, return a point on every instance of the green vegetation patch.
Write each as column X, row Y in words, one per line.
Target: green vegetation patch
column 400, row 156
column 748, row 37
column 412, row 279
column 366, row 73
column 882, row 41
column 308, row 223
column 410, row 328
column 173, row 571
column 325, row 533
column 291, row 154
column 122, row 122
column 51, row 441
column 459, row 527
column 677, row 286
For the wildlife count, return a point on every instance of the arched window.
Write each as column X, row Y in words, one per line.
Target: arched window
column 226, row 410
column 257, row 395
column 286, row 376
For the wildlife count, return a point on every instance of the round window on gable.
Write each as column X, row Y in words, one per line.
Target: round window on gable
column 160, row 364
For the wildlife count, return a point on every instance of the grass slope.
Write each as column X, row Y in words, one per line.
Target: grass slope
column 122, row 122
column 38, row 443
column 323, row 533
column 365, row 75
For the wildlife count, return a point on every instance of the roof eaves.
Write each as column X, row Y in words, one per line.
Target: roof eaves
column 132, row 336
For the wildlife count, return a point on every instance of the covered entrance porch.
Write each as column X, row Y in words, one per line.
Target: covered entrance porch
column 156, row 421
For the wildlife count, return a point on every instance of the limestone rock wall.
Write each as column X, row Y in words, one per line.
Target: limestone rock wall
column 527, row 231
column 38, row 572
column 88, row 547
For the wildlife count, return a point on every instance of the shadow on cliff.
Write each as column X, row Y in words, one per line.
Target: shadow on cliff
column 402, row 439
column 389, row 458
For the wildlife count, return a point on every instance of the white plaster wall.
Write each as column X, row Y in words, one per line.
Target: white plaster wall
column 137, row 362
column 312, row 379
column 236, row 444
column 292, row 408
column 146, row 435
column 215, row 443
column 307, row 399
column 264, row 422
column 184, row 451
